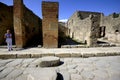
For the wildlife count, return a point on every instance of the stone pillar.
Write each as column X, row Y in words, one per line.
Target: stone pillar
column 50, row 24
column 94, row 30
column 18, row 26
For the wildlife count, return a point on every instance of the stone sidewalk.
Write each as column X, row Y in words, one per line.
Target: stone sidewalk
column 60, row 52
column 92, row 68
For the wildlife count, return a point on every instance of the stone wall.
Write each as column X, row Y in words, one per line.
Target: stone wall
column 81, row 26
column 6, row 19
column 26, row 24
column 50, row 24
column 112, row 24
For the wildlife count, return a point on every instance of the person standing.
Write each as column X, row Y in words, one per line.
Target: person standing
column 8, row 37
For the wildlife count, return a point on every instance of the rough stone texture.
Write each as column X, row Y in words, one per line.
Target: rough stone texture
column 6, row 21
column 25, row 27
column 94, row 29
column 84, row 27
column 50, row 24
column 50, row 61
column 112, row 24
column 93, row 68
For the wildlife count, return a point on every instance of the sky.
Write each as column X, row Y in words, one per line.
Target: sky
column 68, row 7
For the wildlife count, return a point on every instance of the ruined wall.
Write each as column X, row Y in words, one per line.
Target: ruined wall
column 80, row 25
column 6, row 21
column 26, row 24
column 50, row 24
column 32, row 26
column 112, row 24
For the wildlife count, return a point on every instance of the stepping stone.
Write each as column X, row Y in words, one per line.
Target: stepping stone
column 49, row 61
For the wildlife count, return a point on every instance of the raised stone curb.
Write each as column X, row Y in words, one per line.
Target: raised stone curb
column 62, row 53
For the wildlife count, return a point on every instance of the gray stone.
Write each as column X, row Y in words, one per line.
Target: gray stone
column 65, row 75
column 14, row 74
column 76, row 77
column 49, row 61
column 5, row 72
column 63, row 55
column 40, row 74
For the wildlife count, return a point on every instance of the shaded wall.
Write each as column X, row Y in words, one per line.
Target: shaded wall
column 6, row 21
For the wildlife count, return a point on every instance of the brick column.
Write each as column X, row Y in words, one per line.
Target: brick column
column 18, row 26
column 50, row 24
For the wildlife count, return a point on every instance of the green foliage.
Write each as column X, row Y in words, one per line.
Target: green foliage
column 115, row 15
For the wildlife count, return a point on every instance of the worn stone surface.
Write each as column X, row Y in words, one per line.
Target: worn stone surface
column 93, row 68
column 49, row 61
column 50, row 24
column 84, row 27
column 111, row 23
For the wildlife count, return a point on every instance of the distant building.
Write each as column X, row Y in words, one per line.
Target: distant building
column 84, row 26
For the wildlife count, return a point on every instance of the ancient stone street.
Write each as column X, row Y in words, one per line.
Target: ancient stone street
column 93, row 68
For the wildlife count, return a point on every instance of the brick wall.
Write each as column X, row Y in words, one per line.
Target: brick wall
column 50, row 24
column 6, row 21
column 26, row 24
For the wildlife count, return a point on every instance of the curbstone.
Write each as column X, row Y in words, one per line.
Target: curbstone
column 63, row 55
column 23, row 56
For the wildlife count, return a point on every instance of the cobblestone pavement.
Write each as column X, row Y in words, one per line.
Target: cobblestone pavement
column 93, row 68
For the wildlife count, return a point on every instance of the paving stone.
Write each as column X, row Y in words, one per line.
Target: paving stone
column 87, row 75
column 44, row 73
column 76, row 77
column 72, row 66
column 72, row 71
column 49, row 61
column 35, row 63
column 65, row 75
column 26, row 62
column 5, row 72
column 4, row 62
column 15, row 73
column 14, row 63
column 100, row 75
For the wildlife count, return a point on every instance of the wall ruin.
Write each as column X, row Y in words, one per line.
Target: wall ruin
column 6, row 21
column 112, row 24
column 84, row 27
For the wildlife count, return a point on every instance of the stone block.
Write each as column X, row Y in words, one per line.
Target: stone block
column 49, row 61
column 44, row 74
column 50, row 24
column 36, row 55
column 22, row 55
column 7, row 56
column 47, row 54
column 85, row 55
column 76, row 55
column 63, row 55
